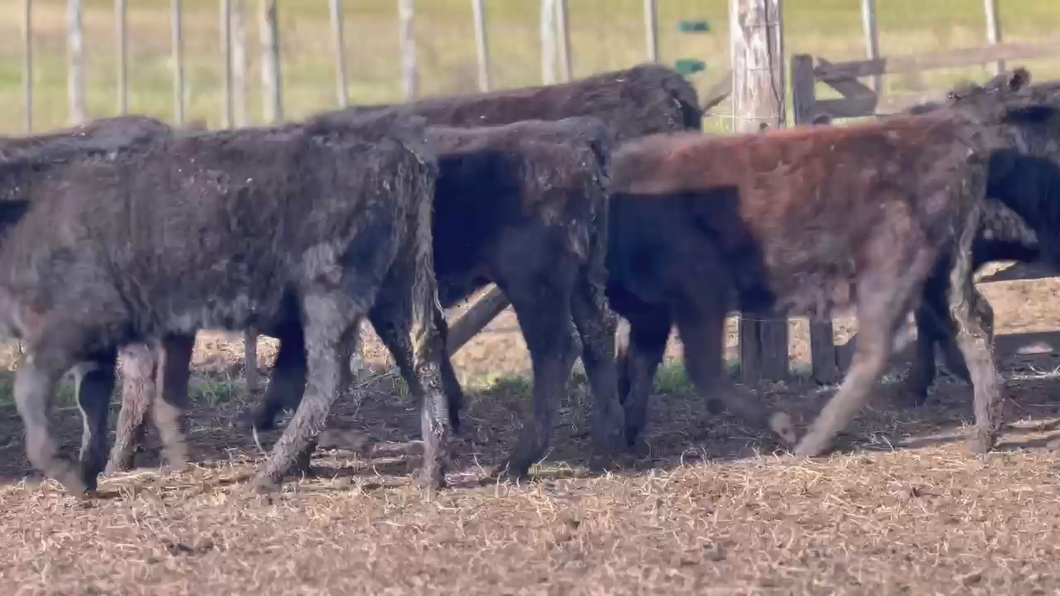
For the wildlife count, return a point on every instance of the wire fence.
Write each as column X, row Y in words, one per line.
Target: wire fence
column 52, row 35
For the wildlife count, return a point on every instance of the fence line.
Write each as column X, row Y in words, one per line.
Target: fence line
column 75, row 48
column 269, row 33
column 651, row 29
column 228, row 114
column 121, row 26
column 178, row 61
column 993, row 30
column 341, row 86
column 478, row 12
column 410, row 79
column 27, row 64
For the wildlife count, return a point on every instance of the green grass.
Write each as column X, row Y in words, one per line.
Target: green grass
column 605, row 34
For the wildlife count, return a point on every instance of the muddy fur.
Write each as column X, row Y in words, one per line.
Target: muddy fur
column 152, row 241
column 805, row 221
column 523, row 206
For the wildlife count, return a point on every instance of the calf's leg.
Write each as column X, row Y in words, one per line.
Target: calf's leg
column 885, row 291
column 169, row 411
column 543, row 312
column 328, row 318
column 286, row 384
column 649, row 330
column 596, row 325
column 35, row 380
column 95, row 384
column 974, row 320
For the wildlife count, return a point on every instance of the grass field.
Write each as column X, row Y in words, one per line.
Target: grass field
column 704, row 507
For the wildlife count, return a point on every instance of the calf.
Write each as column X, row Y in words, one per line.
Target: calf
column 1004, row 235
column 523, row 206
column 802, row 221
column 241, row 229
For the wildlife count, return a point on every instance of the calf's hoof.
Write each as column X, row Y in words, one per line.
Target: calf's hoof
column 264, row 485
column 433, row 479
column 814, row 444
column 981, row 441
column 72, row 479
column 784, row 429
column 120, row 462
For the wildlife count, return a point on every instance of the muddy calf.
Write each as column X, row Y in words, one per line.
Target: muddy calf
column 802, row 221
column 230, row 230
column 523, row 206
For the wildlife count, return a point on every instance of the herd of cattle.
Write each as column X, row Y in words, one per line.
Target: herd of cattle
column 581, row 201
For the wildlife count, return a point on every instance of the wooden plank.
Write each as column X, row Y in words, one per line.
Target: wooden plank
column 27, row 64
column 849, row 88
column 272, row 84
column 563, row 39
column 338, row 37
column 651, row 29
column 478, row 10
column 548, row 42
column 718, row 92
column 858, row 107
column 945, row 59
column 823, row 352
column 1020, row 272
column 757, row 51
column 178, row 61
column 250, row 360
column 75, row 49
column 803, row 89
column 993, row 30
column 492, row 303
column 410, row 80
column 120, row 23
column 872, row 41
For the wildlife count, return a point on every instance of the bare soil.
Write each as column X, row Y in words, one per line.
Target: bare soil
column 706, row 507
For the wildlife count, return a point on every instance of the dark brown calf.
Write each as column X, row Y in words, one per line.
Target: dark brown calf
column 801, row 221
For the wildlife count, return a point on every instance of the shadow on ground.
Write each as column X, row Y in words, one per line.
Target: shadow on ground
column 374, row 432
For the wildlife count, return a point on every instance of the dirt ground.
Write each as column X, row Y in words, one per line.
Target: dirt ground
column 705, row 507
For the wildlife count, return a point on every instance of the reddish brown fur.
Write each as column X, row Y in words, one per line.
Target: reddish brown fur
column 800, row 221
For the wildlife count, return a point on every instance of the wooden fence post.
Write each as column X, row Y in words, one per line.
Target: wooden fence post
column 269, row 33
column 410, row 80
column 872, row 41
column 120, row 23
column 227, row 115
column 75, row 48
column 341, row 87
column 178, row 61
column 993, row 30
column 563, row 41
column 239, row 63
column 822, row 336
column 478, row 10
column 757, row 50
column 27, row 63
column 651, row 29
column 548, row 42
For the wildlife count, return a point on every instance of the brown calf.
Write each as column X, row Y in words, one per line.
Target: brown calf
column 801, row 221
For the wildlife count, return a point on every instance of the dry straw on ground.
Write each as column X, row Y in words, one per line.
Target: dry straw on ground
column 704, row 508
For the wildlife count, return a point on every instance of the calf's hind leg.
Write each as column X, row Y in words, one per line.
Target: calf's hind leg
column 702, row 334
column 95, row 384
column 974, row 318
column 35, row 380
column 884, row 295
